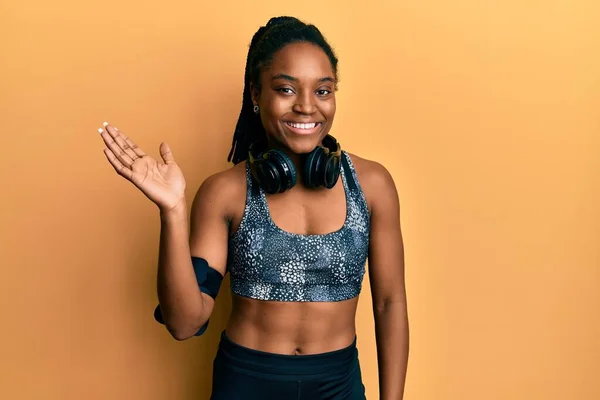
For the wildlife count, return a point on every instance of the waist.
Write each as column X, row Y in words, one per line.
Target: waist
column 288, row 327
column 235, row 354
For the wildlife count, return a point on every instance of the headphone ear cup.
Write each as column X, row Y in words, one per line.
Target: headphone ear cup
column 331, row 171
column 267, row 175
column 285, row 171
column 312, row 166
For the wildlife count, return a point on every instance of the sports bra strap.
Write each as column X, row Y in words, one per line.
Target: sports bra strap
column 348, row 172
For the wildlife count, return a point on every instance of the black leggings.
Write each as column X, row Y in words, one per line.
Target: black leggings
column 247, row 374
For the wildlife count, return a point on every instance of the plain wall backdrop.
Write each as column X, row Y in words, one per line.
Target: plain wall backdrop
column 485, row 112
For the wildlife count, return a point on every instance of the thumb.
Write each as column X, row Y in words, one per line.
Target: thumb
column 166, row 154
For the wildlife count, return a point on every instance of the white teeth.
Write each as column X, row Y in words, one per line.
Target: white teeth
column 302, row 126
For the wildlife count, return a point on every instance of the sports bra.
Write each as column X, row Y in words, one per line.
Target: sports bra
column 267, row 263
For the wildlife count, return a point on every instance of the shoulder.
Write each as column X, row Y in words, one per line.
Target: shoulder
column 375, row 179
column 223, row 190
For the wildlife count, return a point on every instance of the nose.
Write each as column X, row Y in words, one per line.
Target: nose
column 305, row 104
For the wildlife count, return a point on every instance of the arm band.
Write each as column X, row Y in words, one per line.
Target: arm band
column 209, row 280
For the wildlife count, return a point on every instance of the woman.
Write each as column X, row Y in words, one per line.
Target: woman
column 293, row 222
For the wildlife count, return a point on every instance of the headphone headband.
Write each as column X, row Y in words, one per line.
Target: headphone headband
column 332, row 146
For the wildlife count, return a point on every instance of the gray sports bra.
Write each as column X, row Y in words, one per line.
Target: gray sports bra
column 268, row 263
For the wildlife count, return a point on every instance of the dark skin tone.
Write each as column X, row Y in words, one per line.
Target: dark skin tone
column 299, row 86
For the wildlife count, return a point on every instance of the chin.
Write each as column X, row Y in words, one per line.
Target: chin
column 303, row 145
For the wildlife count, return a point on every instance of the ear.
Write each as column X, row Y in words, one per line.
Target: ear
column 254, row 93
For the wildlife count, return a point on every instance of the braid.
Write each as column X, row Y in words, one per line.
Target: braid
column 248, row 122
column 279, row 32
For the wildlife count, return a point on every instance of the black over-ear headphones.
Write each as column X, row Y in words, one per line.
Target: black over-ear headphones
column 275, row 172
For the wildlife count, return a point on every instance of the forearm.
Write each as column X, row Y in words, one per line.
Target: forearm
column 180, row 299
column 392, row 336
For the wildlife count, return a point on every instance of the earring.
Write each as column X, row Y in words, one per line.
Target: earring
column 256, row 109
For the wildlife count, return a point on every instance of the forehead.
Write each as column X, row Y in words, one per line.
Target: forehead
column 301, row 60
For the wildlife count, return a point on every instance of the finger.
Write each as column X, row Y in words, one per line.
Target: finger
column 136, row 149
column 166, row 154
column 117, row 151
column 118, row 138
column 117, row 165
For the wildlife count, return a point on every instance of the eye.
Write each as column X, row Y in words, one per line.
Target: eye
column 285, row 90
column 323, row 92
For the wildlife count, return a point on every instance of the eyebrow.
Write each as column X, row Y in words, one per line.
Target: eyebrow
column 293, row 79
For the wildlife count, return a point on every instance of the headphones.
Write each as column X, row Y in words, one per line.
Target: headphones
column 275, row 172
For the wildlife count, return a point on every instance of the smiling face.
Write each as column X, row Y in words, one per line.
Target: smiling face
column 296, row 97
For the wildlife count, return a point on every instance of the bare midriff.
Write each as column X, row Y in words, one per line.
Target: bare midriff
column 292, row 328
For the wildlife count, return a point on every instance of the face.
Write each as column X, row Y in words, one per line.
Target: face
column 297, row 97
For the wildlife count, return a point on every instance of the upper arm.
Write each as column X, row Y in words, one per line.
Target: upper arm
column 211, row 212
column 386, row 248
column 209, row 228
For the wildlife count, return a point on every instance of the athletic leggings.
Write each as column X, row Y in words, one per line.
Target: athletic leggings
column 241, row 373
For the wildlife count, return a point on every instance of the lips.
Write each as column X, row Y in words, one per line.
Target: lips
column 303, row 128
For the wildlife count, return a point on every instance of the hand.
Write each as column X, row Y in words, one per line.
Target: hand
column 162, row 182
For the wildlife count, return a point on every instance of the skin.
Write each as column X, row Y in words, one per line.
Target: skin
column 309, row 327
column 298, row 86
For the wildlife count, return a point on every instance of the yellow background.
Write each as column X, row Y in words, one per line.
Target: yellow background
column 485, row 112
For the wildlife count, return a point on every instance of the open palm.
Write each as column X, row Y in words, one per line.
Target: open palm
column 162, row 182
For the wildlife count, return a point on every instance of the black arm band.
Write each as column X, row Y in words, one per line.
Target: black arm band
column 209, row 280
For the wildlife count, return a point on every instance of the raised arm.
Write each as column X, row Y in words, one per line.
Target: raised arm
column 185, row 308
column 191, row 265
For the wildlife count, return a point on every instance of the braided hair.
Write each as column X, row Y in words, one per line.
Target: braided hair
column 279, row 32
